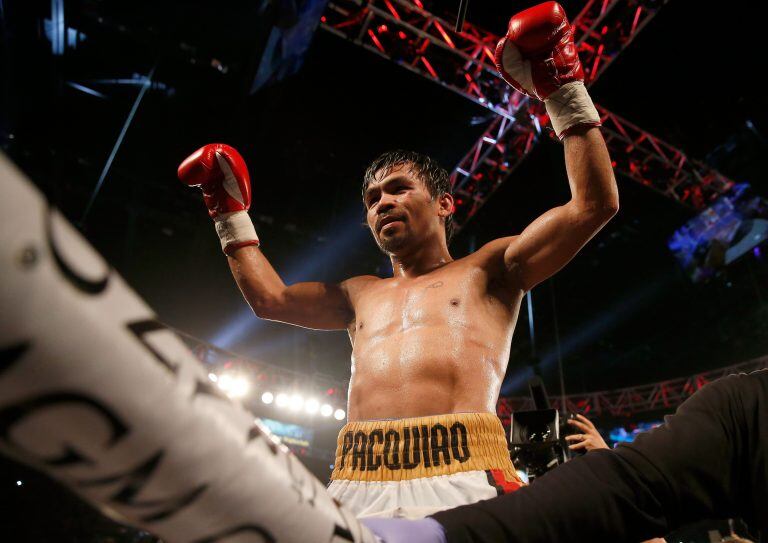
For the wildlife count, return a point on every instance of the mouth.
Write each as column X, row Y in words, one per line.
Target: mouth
column 388, row 221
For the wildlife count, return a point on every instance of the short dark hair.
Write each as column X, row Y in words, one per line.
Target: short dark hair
column 434, row 177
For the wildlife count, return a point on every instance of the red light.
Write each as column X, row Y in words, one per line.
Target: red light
column 382, row 29
column 429, row 67
column 322, row 19
column 392, row 10
column 376, row 41
column 330, row 391
column 446, row 37
column 402, row 35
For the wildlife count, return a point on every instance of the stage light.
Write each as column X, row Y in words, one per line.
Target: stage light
column 339, row 414
column 312, row 406
column 234, row 386
column 19, row 483
column 297, row 402
column 326, row 410
column 267, row 398
column 282, row 400
column 213, row 377
column 240, row 387
column 225, row 382
column 86, row 90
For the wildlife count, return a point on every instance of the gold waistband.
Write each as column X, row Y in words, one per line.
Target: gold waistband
column 402, row 449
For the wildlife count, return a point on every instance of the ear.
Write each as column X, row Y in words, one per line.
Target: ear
column 445, row 203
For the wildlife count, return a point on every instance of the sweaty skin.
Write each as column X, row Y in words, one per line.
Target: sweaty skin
column 431, row 344
column 435, row 338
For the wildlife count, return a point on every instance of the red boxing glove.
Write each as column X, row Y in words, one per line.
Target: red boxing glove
column 538, row 57
column 221, row 173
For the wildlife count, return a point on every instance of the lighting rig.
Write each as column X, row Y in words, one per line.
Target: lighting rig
column 407, row 34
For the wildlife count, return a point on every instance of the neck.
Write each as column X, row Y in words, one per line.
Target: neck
column 422, row 260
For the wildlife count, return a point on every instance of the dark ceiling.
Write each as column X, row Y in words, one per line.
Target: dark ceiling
column 625, row 314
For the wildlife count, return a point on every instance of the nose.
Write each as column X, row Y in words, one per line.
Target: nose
column 386, row 203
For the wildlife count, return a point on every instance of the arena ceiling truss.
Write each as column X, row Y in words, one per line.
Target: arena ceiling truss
column 405, row 33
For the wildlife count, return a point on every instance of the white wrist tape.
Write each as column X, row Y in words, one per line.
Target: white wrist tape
column 235, row 228
column 571, row 105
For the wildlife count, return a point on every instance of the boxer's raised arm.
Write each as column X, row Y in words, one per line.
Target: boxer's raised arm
column 538, row 57
column 220, row 172
column 322, row 306
column 554, row 238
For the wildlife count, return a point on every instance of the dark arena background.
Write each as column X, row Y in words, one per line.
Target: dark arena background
column 101, row 101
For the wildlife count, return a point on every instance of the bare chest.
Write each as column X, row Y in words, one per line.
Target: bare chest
column 431, row 302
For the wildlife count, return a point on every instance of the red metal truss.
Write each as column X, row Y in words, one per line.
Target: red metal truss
column 403, row 32
column 636, row 153
column 624, row 402
column 656, row 164
column 501, row 148
column 602, row 30
column 605, row 27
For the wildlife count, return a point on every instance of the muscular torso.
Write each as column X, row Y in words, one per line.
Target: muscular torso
column 438, row 343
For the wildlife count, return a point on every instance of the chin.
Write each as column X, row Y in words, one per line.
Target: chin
column 393, row 244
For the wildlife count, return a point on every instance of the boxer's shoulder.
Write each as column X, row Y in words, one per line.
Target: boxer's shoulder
column 355, row 286
column 496, row 247
column 491, row 255
column 490, row 258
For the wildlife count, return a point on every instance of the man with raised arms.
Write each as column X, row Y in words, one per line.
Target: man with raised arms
column 430, row 344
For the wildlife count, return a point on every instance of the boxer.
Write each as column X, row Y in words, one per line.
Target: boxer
column 430, row 344
column 96, row 393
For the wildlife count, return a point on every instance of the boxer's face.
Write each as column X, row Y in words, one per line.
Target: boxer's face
column 401, row 212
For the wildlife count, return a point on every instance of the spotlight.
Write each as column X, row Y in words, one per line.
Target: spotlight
column 282, row 400
column 339, row 414
column 312, row 405
column 239, row 387
column 19, row 483
column 326, row 410
column 267, row 398
column 296, row 402
column 233, row 386
column 225, row 382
